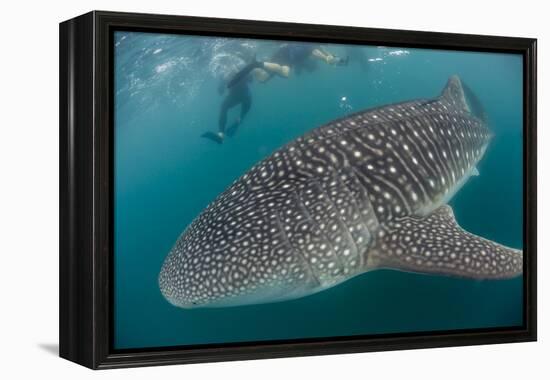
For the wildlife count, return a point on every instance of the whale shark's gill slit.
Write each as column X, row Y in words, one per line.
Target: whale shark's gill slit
column 324, row 209
column 361, row 196
column 317, row 224
column 307, row 239
column 373, row 222
column 348, row 215
column 351, row 185
column 305, row 263
column 359, row 231
column 349, row 181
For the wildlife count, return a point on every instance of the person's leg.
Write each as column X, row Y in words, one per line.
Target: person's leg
column 222, row 118
column 327, row 57
column 245, row 106
column 275, row 68
column 319, row 54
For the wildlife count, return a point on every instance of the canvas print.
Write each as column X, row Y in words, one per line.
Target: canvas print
column 270, row 190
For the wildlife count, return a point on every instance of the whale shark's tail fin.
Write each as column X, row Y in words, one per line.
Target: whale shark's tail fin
column 436, row 244
column 244, row 72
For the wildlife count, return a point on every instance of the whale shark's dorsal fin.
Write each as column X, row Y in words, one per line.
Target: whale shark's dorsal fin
column 454, row 93
column 437, row 244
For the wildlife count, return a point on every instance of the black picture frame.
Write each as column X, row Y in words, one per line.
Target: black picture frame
column 86, row 184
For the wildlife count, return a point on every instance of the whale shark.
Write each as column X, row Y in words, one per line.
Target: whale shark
column 360, row 193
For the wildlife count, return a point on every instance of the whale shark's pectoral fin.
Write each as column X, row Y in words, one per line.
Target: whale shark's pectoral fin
column 437, row 244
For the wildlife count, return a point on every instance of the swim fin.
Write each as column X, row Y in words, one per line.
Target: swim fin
column 244, row 72
column 216, row 137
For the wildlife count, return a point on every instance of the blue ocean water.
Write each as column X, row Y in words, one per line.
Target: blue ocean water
column 166, row 96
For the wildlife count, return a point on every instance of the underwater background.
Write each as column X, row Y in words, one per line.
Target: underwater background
column 167, row 96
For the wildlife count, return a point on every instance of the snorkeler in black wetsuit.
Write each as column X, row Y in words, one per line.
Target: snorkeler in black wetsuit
column 238, row 94
column 291, row 55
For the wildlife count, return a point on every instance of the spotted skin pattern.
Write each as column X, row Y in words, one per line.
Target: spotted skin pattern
column 359, row 193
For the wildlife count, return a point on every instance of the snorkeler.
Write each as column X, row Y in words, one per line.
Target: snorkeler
column 291, row 55
column 295, row 56
column 238, row 94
